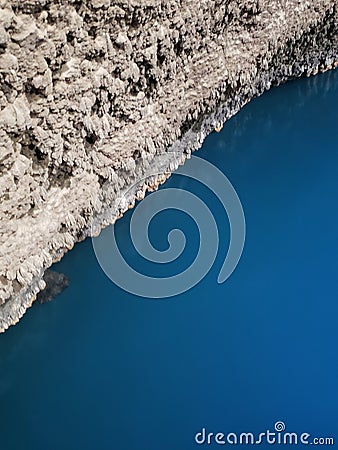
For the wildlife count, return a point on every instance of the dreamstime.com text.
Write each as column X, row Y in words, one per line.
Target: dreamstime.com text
column 279, row 436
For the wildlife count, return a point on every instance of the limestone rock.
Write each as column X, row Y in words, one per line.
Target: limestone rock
column 95, row 95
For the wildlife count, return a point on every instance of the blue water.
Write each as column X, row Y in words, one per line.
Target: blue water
column 98, row 368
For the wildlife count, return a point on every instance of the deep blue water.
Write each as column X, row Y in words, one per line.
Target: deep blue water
column 98, row 368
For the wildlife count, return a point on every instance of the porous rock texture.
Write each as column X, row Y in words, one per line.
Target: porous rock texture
column 102, row 99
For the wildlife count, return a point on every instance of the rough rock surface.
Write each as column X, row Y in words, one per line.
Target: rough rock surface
column 97, row 95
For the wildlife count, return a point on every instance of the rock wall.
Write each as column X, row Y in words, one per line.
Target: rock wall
column 95, row 96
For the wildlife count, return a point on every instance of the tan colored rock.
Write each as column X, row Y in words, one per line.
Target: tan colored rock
column 20, row 166
column 96, row 95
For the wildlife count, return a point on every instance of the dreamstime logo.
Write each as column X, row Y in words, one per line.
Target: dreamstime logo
column 280, row 426
column 126, row 277
column 279, row 436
